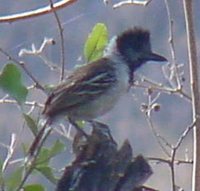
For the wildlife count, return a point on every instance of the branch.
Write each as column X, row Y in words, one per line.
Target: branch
column 27, row 103
column 194, row 69
column 172, row 47
column 131, row 2
column 160, row 87
column 160, row 140
column 23, row 66
column 147, row 109
column 100, row 165
column 184, row 134
column 38, row 52
column 60, row 28
column 31, row 160
column 167, row 161
column 34, row 13
column 10, row 152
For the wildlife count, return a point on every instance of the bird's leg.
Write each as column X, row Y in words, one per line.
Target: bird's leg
column 103, row 128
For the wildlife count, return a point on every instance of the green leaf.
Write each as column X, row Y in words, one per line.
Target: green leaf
column 34, row 187
column 10, row 82
column 43, row 157
column 57, row 148
column 31, row 124
column 46, row 154
column 96, row 42
column 14, row 179
column 81, row 123
column 47, row 172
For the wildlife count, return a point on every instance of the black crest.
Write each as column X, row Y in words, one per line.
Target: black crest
column 137, row 39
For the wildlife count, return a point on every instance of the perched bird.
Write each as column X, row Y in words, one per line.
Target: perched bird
column 94, row 88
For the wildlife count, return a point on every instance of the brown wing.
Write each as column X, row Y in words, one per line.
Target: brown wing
column 83, row 85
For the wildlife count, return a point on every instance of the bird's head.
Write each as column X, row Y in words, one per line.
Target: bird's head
column 135, row 48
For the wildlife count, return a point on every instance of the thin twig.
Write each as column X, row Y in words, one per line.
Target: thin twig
column 171, row 42
column 10, row 152
column 38, row 52
column 184, row 134
column 60, row 28
column 158, row 137
column 23, row 66
column 168, row 161
column 35, row 13
column 63, row 132
column 159, row 86
column 27, row 103
column 171, row 164
column 31, row 161
column 174, row 151
column 131, row 2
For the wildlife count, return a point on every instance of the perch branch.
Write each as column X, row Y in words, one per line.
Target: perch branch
column 194, row 84
column 34, row 13
column 60, row 29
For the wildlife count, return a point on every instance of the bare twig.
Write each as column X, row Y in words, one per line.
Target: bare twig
column 163, row 88
column 184, row 134
column 159, row 160
column 60, row 28
column 172, row 47
column 34, row 50
column 194, row 81
column 147, row 109
column 158, row 137
column 66, row 133
column 22, row 65
column 131, row 2
column 171, row 161
column 10, row 152
column 174, row 151
column 38, row 12
column 38, row 52
column 28, row 103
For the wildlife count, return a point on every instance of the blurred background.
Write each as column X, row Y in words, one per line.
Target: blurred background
column 126, row 120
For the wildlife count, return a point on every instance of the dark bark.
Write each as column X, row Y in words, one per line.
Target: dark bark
column 100, row 166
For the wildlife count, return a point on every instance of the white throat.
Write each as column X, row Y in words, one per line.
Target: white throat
column 111, row 47
column 121, row 67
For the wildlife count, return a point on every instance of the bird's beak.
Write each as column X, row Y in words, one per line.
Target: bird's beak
column 155, row 57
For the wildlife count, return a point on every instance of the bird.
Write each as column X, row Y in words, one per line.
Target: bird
column 93, row 89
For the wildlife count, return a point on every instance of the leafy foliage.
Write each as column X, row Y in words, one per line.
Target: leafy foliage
column 46, row 154
column 13, row 181
column 10, row 82
column 96, row 42
column 31, row 124
column 34, row 187
column 48, row 173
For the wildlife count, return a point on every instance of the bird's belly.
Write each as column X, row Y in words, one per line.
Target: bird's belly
column 101, row 105
column 105, row 102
